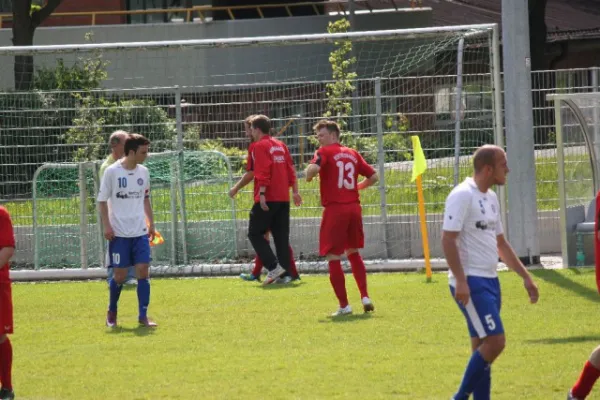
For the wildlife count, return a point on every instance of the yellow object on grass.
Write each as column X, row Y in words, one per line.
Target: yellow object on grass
column 420, row 166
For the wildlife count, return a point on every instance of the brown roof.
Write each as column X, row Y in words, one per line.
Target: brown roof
column 561, row 15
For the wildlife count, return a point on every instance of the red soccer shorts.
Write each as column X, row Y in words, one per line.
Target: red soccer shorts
column 6, row 308
column 341, row 229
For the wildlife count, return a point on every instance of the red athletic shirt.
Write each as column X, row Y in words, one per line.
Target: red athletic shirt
column 273, row 168
column 7, row 239
column 340, row 168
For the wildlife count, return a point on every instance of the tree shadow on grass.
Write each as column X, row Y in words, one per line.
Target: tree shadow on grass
column 566, row 340
column 558, row 279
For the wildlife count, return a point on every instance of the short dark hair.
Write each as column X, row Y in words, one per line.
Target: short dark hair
column 328, row 124
column 134, row 141
column 262, row 122
column 485, row 156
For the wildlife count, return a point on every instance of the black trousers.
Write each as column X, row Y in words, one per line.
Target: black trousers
column 277, row 221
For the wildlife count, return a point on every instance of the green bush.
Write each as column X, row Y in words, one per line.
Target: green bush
column 237, row 156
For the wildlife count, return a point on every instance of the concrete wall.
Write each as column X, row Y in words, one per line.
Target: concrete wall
column 215, row 240
column 219, row 66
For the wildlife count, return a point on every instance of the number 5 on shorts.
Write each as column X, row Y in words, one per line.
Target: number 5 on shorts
column 490, row 322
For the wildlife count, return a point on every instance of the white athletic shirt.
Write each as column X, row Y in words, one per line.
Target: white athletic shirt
column 476, row 216
column 124, row 190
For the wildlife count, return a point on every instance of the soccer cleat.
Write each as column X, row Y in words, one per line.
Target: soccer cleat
column 131, row 282
column 249, row 277
column 283, row 280
column 570, row 396
column 273, row 275
column 342, row 311
column 7, row 394
column 111, row 319
column 296, row 278
column 368, row 305
column 148, row 323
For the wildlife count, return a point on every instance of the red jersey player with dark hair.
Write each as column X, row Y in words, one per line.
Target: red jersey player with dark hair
column 274, row 174
column 7, row 249
column 341, row 227
column 245, row 180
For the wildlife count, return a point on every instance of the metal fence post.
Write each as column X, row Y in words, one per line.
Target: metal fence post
column 496, row 80
column 83, row 216
column 595, row 111
column 458, row 109
column 180, row 176
column 99, row 231
column 381, row 167
column 178, row 118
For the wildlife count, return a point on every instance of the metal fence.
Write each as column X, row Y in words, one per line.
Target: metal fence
column 382, row 135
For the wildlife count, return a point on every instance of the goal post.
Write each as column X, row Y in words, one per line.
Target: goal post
column 189, row 97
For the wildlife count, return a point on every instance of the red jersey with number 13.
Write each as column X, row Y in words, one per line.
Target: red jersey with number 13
column 340, row 168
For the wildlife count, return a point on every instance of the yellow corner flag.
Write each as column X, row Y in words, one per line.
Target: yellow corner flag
column 419, row 166
column 419, row 163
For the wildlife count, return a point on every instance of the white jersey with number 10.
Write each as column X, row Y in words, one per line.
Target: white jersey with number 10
column 125, row 190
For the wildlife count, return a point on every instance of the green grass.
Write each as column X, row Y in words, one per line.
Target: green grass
column 227, row 339
column 210, row 201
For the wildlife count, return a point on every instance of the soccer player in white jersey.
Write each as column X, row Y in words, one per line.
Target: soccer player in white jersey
column 472, row 239
column 124, row 202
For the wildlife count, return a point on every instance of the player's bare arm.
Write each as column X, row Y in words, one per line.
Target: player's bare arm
column 367, row 182
column 150, row 217
column 508, row 255
column 109, row 234
column 450, row 248
column 296, row 194
column 242, row 183
column 6, row 254
column 263, row 198
column 311, row 171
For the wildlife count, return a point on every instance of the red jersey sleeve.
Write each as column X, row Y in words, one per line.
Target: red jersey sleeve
column 7, row 235
column 291, row 170
column 262, row 164
column 319, row 158
column 249, row 159
column 364, row 168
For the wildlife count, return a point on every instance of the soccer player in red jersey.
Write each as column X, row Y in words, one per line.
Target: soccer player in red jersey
column 243, row 182
column 274, row 174
column 7, row 249
column 338, row 168
column 588, row 377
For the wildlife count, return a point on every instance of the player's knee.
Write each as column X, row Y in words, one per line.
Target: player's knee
column 595, row 357
column 120, row 275
column 351, row 251
column 142, row 271
column 331, row 257
column 497, row 343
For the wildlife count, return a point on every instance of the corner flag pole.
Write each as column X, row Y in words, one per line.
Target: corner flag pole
column 419, row 166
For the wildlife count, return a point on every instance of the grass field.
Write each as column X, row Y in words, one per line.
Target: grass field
column 227, row 339
column 210, row 202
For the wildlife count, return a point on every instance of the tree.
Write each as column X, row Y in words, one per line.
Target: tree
column 26, row 18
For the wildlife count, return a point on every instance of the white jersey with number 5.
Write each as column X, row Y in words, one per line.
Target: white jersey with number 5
column 125, row 190
column 476, row 216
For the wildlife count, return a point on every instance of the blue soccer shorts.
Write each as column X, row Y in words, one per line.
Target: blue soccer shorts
column 125, row 252
column 482, row 312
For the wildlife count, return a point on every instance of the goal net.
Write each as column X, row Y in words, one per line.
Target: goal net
column 190, row 97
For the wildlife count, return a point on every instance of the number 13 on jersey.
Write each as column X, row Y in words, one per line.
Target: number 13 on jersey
column 346, row 175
